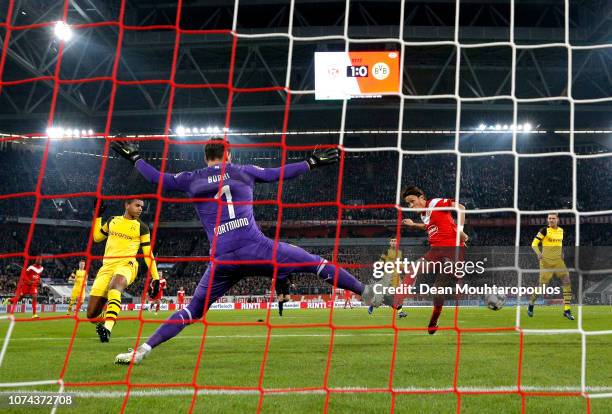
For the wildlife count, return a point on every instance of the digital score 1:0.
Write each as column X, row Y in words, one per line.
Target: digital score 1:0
column 357, row 71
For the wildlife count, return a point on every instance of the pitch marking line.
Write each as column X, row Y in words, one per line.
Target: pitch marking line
column 189, row 391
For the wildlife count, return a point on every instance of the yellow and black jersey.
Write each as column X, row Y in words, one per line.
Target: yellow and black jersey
column 124, row 238
column 391, row 256
column 552, row 242
column 78, row 276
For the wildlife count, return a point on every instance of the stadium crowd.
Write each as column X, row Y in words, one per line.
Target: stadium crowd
column 368, row 178
column 191, row 243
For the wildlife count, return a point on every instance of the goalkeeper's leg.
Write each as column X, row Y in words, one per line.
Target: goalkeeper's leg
column 224, row 279
column 218, row 284
column 179, row 320
column 288, row 253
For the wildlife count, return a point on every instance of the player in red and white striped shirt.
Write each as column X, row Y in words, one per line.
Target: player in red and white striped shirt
column 28, row 285
column 442, row 236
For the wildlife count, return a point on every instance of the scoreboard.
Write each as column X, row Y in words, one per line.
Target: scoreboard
column 345, row 75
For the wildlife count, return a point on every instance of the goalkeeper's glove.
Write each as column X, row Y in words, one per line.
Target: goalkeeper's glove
column 102, row 209
column 323, row 157
column 154, row 288
column 127, row 150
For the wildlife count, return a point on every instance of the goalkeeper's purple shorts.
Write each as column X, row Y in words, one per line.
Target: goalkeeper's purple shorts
column 221, row 275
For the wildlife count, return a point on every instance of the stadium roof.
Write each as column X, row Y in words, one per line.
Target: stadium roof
column 260, row 62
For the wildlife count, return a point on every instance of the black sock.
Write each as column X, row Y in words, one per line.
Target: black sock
column 280, row 307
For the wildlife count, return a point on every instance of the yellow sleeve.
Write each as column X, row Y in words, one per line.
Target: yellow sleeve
column 145, row 245
column 150, row 261
column 535, row 244
column 100, row 231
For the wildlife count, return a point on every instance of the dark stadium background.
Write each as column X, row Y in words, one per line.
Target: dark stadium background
column 504, row 106
column 370, row 177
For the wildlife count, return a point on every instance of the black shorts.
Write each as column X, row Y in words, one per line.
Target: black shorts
column 282, row 286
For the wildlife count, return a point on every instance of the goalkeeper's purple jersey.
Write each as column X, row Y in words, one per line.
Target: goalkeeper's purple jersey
column 237, row 225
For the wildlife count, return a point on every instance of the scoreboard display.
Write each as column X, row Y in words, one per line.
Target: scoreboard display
column 345, row 75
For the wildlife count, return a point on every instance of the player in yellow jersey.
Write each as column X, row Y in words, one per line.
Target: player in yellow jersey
column 78, row 290
column 124, row 236
column 392, row 255
column 551, row 262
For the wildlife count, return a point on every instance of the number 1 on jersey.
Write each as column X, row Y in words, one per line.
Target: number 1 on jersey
column 225, row 190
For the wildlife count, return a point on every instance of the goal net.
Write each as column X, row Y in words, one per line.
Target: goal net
column 453, row 159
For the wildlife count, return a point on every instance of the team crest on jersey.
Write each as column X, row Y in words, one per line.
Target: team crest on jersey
column 432, row 230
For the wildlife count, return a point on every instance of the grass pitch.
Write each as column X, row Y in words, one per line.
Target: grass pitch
column 298, row 357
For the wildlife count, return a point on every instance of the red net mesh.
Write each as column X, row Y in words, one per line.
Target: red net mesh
column 229, row 86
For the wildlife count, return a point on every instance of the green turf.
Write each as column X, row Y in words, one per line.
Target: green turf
column 298, row 357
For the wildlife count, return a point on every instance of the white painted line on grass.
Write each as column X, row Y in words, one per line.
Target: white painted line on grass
column 167, row 392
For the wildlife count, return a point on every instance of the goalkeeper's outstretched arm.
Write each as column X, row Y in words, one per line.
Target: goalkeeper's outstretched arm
column 172, row 182
column 319, row 158
column 181, row 181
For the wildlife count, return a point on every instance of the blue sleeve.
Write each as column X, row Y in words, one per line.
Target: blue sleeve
column 172, row 182
column 267, row 175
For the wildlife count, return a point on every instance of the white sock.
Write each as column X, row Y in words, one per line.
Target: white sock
column 146, row 348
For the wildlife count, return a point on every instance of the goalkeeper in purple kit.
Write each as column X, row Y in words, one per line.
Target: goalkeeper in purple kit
column 238, row 238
